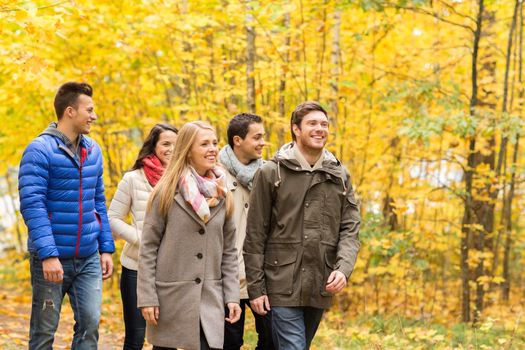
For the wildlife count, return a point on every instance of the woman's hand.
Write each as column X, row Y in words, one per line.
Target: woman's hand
column 235, row 312
column 150, row 314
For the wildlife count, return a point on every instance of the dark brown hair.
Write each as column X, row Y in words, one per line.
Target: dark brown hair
column 151, row 142
column 303, row 109
column 67, row 96
column 239, row 124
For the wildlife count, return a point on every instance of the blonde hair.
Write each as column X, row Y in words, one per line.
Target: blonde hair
column 180, row 161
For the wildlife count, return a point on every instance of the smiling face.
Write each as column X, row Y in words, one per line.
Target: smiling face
column 203, row 153
column 83, row 115
column 251, row 147
column 312, row 134
column 164, row 146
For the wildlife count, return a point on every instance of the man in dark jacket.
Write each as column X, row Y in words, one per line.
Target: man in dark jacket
column 302, row 235
column 63, row 205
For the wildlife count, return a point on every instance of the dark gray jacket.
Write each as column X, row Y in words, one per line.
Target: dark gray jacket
column 302, row 225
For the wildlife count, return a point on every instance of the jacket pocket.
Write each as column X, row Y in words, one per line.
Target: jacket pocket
column 329, row 256
column 352, row 200
column 177, row 299
column 278, row 269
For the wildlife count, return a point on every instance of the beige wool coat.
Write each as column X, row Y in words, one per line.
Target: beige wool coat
column 190, row 270
column 241, row 199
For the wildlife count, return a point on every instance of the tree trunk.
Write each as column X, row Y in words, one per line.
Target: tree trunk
column 485, row 158
column 250, row 59
column 282, row 83
column 467, row 221
column 335, row 73
column 390, row 217
column 186, row 47
column 507, row 214
column 502, row 154
column 508, row 207
column 321, row 53
column 303, row 41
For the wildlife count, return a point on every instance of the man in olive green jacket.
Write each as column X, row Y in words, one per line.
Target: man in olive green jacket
column 302, row 234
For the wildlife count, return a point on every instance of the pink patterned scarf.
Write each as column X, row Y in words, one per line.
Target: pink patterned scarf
column 203, row 192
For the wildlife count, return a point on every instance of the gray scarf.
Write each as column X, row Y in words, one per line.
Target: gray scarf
column 243, row 173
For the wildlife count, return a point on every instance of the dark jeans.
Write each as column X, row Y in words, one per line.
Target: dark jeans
column 133, row 321
column 83, row 284
column 204, row 344
column 293, row 328
column 234, row 333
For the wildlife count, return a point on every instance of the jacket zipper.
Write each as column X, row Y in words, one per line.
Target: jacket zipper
column 79, row 230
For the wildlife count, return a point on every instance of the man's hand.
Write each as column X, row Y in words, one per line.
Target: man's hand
column 106, row 262
column 261, row 305
column 336, row 282
column 151, row 314
column 52, row 269
column 235, row 312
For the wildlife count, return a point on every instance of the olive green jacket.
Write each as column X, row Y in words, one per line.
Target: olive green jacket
column 303, row 223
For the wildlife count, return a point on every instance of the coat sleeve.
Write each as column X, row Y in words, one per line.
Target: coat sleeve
column 119, row 209
column 230, row 264
column 257, row 230
column 32, row 186
column 152, row 233
column 105, row 239
column 348, row 245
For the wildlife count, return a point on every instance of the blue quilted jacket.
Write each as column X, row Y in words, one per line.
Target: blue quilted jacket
column 62, row 198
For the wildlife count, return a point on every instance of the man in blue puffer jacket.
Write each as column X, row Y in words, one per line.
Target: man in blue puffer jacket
column 63, row 205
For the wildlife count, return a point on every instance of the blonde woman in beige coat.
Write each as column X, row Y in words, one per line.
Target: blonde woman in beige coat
column 188, row 270
column 131, row 198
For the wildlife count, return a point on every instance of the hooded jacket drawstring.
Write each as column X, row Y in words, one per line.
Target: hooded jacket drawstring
column 345, row 189
column 278, row 182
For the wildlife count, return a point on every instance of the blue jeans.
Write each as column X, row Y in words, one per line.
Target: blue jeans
column 134, row 322
column 83, row 284
column 293, row 328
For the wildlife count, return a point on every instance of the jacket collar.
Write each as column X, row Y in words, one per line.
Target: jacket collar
column 52, row 130
column 83, row 147
column 184, row 205
column 328, row 163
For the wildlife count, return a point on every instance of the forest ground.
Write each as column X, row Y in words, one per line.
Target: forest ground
column 336, row 332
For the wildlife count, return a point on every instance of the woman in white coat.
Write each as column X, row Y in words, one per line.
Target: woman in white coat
column 131, row 198
column 188, row 270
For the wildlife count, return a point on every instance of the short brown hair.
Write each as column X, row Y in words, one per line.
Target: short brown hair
column 303, row 109
column 67, row 96
column 239, row 124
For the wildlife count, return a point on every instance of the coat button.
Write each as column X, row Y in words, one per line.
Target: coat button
column 307, row 205
column 199, row 255
column 246, row 205
column 234, row 183
column 197, row 280
column 275, row 262
column 201, row 231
